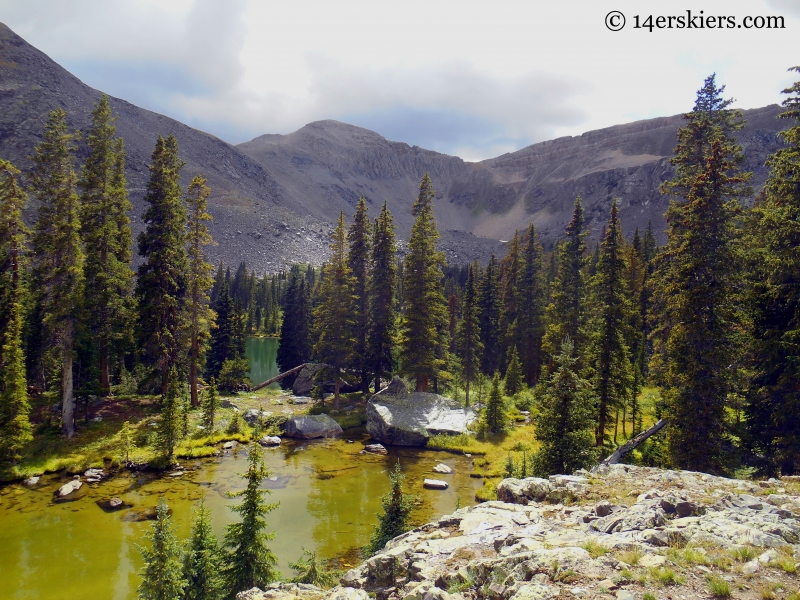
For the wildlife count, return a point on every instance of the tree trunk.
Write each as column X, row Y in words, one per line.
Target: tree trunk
column 193, row 373
column 336, row 387
column 422, row 383
column 632, row 443
column 466, row 393
column 105, row 383
column 67, row 401
column 164, row 378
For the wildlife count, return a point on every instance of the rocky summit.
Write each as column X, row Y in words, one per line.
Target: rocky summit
column 618, row 533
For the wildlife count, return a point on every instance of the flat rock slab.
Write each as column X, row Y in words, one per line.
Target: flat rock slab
column 443, row 469
column 270, row 441
column 312, row 426
column 399, row 418
column 69, row 488
column 375, row 449
column 435, row 484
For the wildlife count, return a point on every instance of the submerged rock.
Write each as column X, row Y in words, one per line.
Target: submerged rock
column 308, row 427
column 400, row 418
column 67, row 491
column 113, row 504
column 443, row 469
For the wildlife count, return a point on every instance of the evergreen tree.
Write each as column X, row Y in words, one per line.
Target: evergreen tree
column 773, row 409
column 510, row 270
column 513, row 383
column 495, row 419
column 15, row 426
column 336, row 316
column 489, row 311
column 170, row 425
column 203, row 561
column 610, row 354
column 294, row 347
column 397, row 508
column 468, row 335
column 359, row 239
column 565, row 419
column 222, row 346
column 161, row 283
column 566, row 311
column 250, row 562
column 106, row 232
column 162, row 577
column 211, row 406
column 383, row 311
column 697, row 333
column 424, row 326
column 532, row 302
column 57, row 249
column 198, row 278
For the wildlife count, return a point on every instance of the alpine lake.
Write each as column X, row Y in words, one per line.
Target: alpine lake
column 328, row 494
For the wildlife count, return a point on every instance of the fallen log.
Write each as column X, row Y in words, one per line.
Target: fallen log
column 633, row 443
column 277, row 378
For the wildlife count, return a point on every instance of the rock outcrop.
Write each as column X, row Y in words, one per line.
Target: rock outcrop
column 399, row 418
column 625, row 531
column 308, row 427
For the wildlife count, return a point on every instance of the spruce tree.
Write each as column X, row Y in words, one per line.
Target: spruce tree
column 565, row 419
column 422, row 340
column 610, row 353
column 510, row 271
column 198, row 278
column 203, row 561
column 161, row 283
column 397, row 508
column 294, row 347
column 566, row 312
column 336, row 316
column 698, row 320
column 211, row 405
column 532, row 301
column 468, row 335
column 359, row 240
column 383, row 309
column 222, row 345
column 162, row 575
column 15, row 426
column 106, row 233
column 57, row 249
column 494, row 418
column 514, row 377
column 773, row 408
column 489, row 315
column 250, row 562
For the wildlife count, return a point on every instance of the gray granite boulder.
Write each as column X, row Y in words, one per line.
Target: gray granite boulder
column 400, row 418
column 308, row 427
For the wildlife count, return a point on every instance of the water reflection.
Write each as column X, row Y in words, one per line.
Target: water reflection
column 262, row 354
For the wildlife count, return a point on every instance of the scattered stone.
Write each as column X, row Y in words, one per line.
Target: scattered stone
column 69, row 488
column 229, row 445
column 94, row 475
column 270, row 441
column 252, row 416
column 751, row 567
column 603, row 508
column 435, row 484
column 113, row 504
column 300, row 399
column 443, row 469
column 226, row 403
column 375, row 449
column 31, row 481
column 652, row 560
column 625, row 595
column 607, row 584
column 312, row 426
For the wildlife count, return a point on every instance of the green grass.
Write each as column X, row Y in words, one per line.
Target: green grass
column 744, row 554
column 718, row 587
column 463, row 443
column 632, row 556
column 666, row 576
column 595, row 548
column 649, row 596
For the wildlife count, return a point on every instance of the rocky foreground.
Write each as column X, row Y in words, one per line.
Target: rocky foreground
column 623, row 532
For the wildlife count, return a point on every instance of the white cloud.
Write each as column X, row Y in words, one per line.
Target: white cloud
column 483, row 77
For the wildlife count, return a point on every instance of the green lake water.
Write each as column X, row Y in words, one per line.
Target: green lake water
column 329, row 494
column 262, row 354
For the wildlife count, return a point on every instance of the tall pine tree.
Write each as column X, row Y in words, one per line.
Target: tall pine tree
column 57, row 249
column 199, row 281
column 106, row 232
column 468, row 335
column 423, row 334
column 162, row 576
column 773, row 407
column 489, row 311
column 532, row 301
column 15, row 426
column 161, row 284
column 698, row 324
column 383, row 305
column 336, row 316
column 359, row 239
column 294, row 347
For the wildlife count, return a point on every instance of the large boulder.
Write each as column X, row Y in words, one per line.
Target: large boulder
column 400, row 418
column 304, row 382
column 308, row 427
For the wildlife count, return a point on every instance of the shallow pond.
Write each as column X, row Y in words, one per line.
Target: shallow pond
column 329, row 494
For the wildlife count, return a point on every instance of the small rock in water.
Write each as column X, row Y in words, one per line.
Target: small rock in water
column 435, row 484
column 443, row 469
column 270, row 440
column 375, row 449
column 115, row 503
column 228, row 445
column 31, row 481
column 176, row 474
column 69, row 488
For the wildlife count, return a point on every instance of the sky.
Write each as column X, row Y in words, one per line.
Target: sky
column 467, row 78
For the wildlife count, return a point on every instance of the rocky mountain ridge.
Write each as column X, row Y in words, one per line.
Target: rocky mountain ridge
column 619, row 532
column 276, row 198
